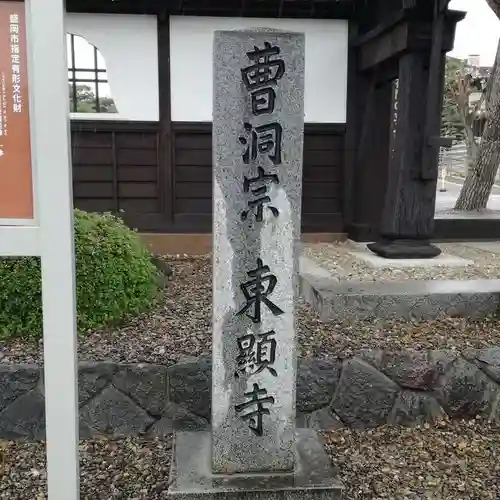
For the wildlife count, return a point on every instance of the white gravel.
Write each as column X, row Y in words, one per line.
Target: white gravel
column 449, row 461
column 337, row 259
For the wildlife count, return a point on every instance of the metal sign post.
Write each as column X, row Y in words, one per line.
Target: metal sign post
column 35, row 162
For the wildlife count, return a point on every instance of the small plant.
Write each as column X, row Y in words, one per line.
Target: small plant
column 115, row 277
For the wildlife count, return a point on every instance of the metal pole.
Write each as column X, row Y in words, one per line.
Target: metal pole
column 50, row 136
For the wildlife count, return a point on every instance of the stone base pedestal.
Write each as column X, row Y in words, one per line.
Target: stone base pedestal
column 404, row 249
column 191, row 476
column 367, row 257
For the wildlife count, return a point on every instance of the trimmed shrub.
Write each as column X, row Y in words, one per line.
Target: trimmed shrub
column 115, row 277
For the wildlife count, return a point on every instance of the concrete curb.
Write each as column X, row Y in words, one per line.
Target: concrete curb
column 411, row 299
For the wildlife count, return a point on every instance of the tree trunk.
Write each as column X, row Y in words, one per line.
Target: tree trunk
column 477, row 187
column 471, row 150
column 494, row 6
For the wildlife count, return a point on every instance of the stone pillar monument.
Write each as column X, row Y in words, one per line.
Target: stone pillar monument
column 254, row 449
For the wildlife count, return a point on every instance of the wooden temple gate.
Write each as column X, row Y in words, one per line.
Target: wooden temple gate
column 392, row 176
column 368, row 193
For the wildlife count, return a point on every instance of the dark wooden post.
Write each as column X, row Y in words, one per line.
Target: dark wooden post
column 165, row 135
column 408, row 215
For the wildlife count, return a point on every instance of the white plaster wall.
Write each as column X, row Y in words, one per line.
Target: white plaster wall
column 129, row 46
column 191, row 45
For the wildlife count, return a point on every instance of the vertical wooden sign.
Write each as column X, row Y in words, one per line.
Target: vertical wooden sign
column 16, row 180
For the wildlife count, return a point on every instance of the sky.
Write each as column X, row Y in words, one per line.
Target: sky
column 478, row 33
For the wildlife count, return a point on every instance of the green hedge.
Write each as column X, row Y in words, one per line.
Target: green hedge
column 114, row 278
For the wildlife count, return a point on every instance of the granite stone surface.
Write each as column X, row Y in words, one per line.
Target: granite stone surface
column 176, row 418
column 465, row 391
column 364, row 396
column 16, row 381
column 316, row 382
column 24, row 417
column 93, row 378
column 489, row 361
column 258, row 128
column 412, row 369
column 111, row 412
column 191, row 476
column 190, row 385
column 413, row 407
column 146, row 385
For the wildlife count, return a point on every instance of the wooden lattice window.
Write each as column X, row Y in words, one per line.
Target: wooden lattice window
column 89, row 90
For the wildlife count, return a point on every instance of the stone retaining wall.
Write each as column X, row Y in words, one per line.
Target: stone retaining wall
column 370, row 389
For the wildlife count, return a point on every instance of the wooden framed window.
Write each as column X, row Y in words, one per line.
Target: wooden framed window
column 89, row 90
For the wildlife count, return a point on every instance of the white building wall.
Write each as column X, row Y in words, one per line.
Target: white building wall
column 191, row 45
column 129, row 46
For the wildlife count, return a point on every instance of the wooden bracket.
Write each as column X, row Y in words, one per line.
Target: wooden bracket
column 440, row 142
column 428, row 169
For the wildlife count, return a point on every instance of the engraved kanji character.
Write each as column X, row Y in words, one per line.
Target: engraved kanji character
column 264, row 71
column 263, row 101
column 255, row 416
column 256, row 354
column 265, row 139
column 257, row 205
column 255, row 292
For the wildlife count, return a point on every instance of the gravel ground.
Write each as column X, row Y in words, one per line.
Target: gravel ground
column 450, row 461
column 181, row 327
column 333, row 256
column 129, row 469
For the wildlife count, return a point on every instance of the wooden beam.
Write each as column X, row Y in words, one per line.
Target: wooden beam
column 434, row 94
column 404, row 34
column 280, row 10
column 389, row 38
column 165, row 156
column 385, row 46
column 421, row 33
column 382, row 28
column 320, row 9
column 356, row 92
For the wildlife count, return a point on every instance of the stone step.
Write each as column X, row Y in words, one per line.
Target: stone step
column 308, row 266
column 409, row 299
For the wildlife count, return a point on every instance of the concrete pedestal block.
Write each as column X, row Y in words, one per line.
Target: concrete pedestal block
column 191, row 476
